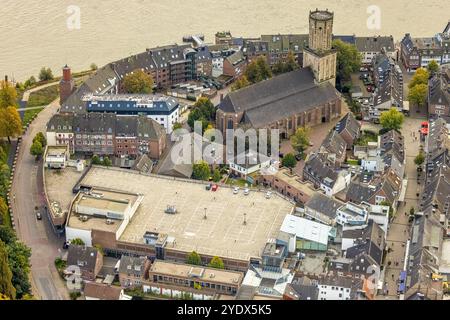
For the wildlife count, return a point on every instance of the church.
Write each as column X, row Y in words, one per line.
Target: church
column 305, row 97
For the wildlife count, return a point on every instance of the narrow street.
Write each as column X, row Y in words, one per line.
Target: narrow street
column 399, row 230
column 38, row 235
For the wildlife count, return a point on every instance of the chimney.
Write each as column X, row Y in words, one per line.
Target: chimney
column 67, row 75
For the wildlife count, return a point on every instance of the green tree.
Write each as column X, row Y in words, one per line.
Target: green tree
column 216, row 176
column 36, row 149
column 289, row 161
column 177, row 126
column 93, row 67
column 7, row 235
column 3, row 211
column 240, row 83
column 420, row 77
column 217, row 263
column 418, row 94
column 200, row 171
column 77, row 242
column 10, row 123
column 258, row 70
column 288, row 66
column 300, row 139
column 8, row 95
column 204, row 111
column 107, row 162
column 19, row 262
column 30, row 82
column 392, row 119
column 45, row 74
column 138, row 82
column 419, row 159
column 41, row 138
column 264, row 68
column 95, row 160
column 4, row 179
column 194, row 258
column 348, row 59
column 433, row 67
column 6, row 286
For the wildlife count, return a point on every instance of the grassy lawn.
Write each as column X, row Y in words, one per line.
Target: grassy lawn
column 366, row 137
column 30, row 114
column 237, row 182
column 352, row 162
column 43, row 97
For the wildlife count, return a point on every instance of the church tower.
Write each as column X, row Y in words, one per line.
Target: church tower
column 319, row 55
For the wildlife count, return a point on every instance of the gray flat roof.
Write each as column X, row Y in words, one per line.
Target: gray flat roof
column 222, row 233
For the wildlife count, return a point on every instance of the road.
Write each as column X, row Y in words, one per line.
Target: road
column 399, row 229
column 27, row 193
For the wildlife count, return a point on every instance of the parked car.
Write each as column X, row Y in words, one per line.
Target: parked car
column 38, row 215
column 246, row 192
column 208, row 187
column 268, row 194
column 299, row 157
column 236, row 190
column 363, row 69
column 215, row 187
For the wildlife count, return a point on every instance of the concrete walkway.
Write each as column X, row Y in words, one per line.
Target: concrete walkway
column 399, row 229
column 38, row 235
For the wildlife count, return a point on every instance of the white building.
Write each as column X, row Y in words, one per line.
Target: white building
column 352, row 214
column 56, row 157
column 249, row 162
column 331, row 187
column 163, row 109
column 338, row 288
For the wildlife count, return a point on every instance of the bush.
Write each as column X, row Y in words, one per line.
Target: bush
column 75, row 295
column 45, row 74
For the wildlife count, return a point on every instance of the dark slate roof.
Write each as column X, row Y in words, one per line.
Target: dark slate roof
column 279, row 43
column 438, row 95
column 351, row 39
column 279, row 97
column 149, row 128
column 408, row 44
column 302, row 292
column 359, row 192
column 129, row 103
column 323, row 204
column 60, row 121
column 370, row 242
column 423, row 250
column 236, row 58
column 126, row 126
column 334, row 144
column 350, row 124
column 375, row 44
column 82, row 256
column 95, row 123
column 318, row 167
column 437, row 189
column 393, row 142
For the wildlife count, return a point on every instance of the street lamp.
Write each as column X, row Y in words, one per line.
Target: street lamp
column 205, row 217
column 245, row 220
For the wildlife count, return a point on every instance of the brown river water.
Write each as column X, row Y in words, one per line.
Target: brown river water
column 36, row 33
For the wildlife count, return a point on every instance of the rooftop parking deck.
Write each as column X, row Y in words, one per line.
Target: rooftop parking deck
column 222, row 233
